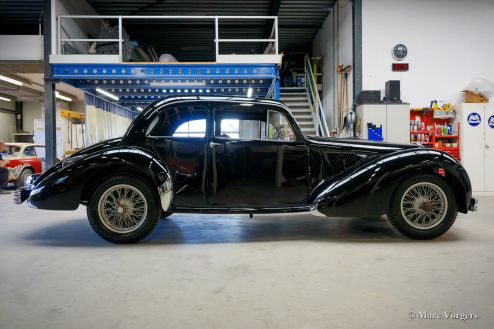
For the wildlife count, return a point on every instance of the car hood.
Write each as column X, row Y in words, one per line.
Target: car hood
column 360, row 144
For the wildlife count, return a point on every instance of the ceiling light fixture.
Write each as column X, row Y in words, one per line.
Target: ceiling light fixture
column 5, row 99
column 139, row 109
column 106, row 93
column 249, row 93
column 10, row 80
column 62, row 97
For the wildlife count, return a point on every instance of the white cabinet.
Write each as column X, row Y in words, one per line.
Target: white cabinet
column 393, row 118
column 477, row 144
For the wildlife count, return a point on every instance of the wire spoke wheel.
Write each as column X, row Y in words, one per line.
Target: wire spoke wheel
column 122, row 208
column 424, row 205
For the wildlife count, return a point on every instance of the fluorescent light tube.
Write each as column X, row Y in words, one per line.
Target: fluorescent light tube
column 5, row 99
column 62, row 97
column 249, row 93
column 106, row 93
column 10, row 80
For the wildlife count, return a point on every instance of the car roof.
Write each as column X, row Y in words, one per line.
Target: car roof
column 24, row 144
column 173, row 99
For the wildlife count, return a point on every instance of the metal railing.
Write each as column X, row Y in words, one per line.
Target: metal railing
column 315, row 101
column 273, row 39
column 271, row 94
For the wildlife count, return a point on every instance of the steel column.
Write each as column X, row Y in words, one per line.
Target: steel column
column 357, row 47
column 18, row 116
column 277, row 86
column 50, row 105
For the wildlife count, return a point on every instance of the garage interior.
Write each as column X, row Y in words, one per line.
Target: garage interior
column 75, row 73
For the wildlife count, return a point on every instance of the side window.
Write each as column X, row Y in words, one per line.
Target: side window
column 237, row 122
column 181, row 120
column 29, row 151
column 279, row 128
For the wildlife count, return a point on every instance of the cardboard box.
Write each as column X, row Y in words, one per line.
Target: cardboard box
column 471, row 97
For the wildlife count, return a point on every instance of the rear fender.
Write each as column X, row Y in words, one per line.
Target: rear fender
column 67, row 185
column 368, row 190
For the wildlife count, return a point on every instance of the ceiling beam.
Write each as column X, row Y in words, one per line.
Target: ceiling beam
column 146, row 7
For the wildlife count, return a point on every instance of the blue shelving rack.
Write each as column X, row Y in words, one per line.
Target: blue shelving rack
column 138, row 84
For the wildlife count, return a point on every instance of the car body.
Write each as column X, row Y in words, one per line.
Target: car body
column 23, row 160
column 235, row 155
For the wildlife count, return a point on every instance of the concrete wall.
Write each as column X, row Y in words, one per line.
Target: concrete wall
column 31, row 111
column 324, row 47
column 7, row 120
column 449, row 43
column 345, row 39
column 333, row 42
column 72, row 29
column 21, row 47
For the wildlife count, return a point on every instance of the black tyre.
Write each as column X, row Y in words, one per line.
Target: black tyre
column 123, row 210
column 19, row 182
column 423, row 207
column 165, row 214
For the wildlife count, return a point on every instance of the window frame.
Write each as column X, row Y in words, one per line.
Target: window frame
column 169, row 107
column 265, row 107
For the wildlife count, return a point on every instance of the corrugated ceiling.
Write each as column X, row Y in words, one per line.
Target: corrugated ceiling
column 299, row 21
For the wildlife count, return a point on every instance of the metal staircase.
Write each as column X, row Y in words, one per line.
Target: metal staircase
column 297, row 100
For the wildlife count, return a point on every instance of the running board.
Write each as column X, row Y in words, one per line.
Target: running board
column 243, row 210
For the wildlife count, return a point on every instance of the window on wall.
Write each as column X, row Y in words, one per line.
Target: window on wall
column 186, row 121
column 193, row 128
column 236, row 122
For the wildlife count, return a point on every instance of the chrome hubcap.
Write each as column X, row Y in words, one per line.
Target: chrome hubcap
column 122, row 208
column 424, row 205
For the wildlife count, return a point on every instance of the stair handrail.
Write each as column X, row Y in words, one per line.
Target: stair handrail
column 314, row 99
column 271, row 91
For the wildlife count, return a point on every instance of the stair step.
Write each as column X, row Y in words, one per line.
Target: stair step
column 305, row 123
column 307, row 117
column 301, row 112
column 307, row 105
column 291, row 88
column 302, row 93
column 295, row 99
column 294, row 95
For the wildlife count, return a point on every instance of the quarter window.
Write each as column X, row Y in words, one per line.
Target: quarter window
column 29, row 151
column 187, row 121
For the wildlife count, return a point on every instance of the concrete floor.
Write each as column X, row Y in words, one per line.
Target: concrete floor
column 206, row 271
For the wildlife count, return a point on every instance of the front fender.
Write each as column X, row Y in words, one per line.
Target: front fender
column 368, row 190
column 62, row 187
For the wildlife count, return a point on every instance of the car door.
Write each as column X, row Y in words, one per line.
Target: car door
column 30, row 158
column 255, row 157
column 178, row 134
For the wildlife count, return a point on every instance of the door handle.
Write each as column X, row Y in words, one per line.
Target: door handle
column 213, row 144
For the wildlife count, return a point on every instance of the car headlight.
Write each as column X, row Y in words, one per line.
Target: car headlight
column 71, row 160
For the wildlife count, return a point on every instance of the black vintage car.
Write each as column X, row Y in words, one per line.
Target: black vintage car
column 235, row 155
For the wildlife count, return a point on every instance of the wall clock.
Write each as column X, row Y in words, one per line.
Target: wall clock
column 399, row 52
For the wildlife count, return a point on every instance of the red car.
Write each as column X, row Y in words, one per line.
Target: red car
column 23, row 159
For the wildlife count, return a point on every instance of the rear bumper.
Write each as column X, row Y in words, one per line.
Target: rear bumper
column 474, row 204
